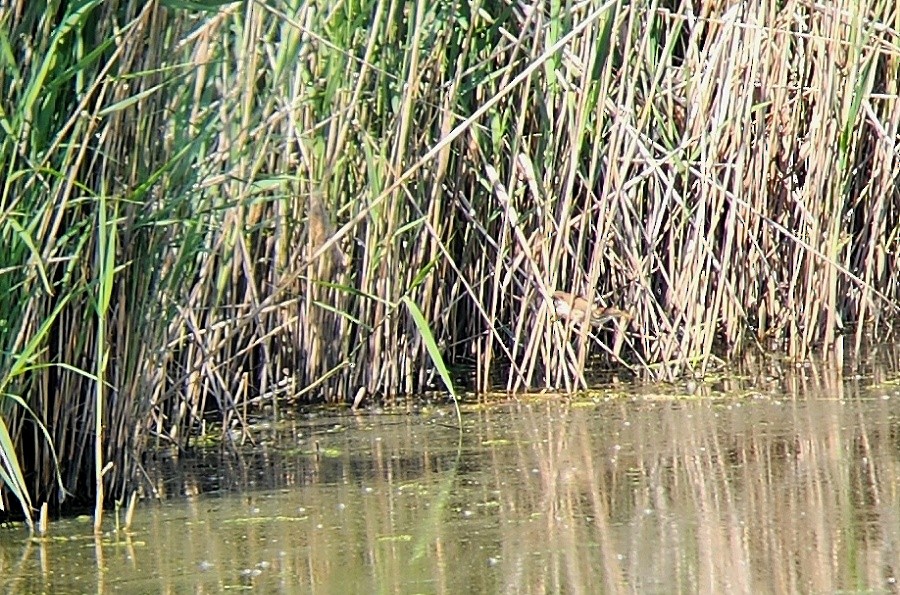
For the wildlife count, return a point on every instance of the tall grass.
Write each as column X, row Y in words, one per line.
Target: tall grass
column 204, row 210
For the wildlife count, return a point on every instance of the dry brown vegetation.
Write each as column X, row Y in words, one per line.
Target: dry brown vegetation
column 208, row 210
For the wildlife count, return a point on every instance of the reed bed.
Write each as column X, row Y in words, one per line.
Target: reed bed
column 208, row 207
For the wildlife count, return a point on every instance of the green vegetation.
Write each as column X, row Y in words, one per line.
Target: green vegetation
column 207, row 206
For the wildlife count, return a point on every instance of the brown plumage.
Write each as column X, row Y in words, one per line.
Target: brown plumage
column 576, row 308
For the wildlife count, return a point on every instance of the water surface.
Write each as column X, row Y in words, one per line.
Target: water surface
column 792, row 487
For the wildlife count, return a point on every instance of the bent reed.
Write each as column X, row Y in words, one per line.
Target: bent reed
column 205, row 211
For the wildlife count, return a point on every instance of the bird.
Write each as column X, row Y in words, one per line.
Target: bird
column 575, row 307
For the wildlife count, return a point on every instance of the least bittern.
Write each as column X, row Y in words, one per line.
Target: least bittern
column 576, row 308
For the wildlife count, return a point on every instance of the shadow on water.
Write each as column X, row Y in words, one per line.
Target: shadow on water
column 775, row 481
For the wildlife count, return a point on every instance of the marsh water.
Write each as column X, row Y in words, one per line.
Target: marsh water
column 781, row 483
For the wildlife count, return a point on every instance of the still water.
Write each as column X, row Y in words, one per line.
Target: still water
column 785, row 486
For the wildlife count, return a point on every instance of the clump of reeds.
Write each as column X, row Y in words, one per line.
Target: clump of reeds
column 206, row 211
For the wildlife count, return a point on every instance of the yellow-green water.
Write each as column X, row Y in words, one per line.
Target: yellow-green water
column 787, row 488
